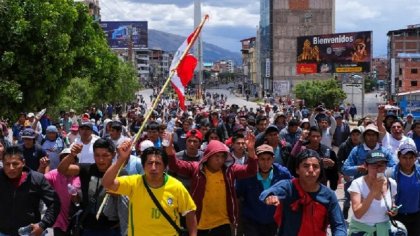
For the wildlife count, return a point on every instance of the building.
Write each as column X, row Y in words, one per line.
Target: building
column 129, row 40
column 281, row 22
column 403, row 59
column 208, row 66
column 249, row 65
column 230, row 65
column 94, row 9
column 142, row 63
column 380, row 72
column 140, row 59
column 159, row 64
column 408, row 74
column 224, row 66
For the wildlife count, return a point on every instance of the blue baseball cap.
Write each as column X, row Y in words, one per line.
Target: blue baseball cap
column 28, row 133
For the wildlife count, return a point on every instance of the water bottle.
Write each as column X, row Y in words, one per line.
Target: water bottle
column 327, row 153
column 72, row 191
column 166, row 139
column 26, row 230
column 133, row 151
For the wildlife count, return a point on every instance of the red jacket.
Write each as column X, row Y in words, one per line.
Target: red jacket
column 231, row 172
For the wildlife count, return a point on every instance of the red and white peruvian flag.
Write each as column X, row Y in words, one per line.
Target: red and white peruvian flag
column 185, row 70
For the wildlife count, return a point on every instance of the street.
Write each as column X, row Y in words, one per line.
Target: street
column 240, row 101
column 371, row 102
column 232, row 99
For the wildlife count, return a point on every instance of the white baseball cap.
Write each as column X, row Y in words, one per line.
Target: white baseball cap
column 146, row 144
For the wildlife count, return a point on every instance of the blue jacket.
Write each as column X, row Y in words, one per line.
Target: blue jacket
column 292, row 221
column 248, row 191
column 358, row 156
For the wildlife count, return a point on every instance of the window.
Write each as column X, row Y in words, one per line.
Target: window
column 400, row 71
column 413, row 71
column 414, row 83
column 400, row 83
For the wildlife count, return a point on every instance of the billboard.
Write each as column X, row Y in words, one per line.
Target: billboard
column 118, row 33
column 334, row 53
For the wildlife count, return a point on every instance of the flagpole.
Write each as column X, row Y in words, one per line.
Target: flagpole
column 155, row 103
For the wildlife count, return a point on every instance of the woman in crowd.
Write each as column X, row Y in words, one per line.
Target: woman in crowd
column 210, row 135
column 304, row 124
column 372, row 198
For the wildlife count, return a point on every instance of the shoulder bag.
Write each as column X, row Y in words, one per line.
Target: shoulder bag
column 397, row 228
column 181, row 231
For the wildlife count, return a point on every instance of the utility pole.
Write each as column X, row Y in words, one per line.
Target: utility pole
column 130, row 44
column 363, row 96
column 198, row 49
column 129, row 53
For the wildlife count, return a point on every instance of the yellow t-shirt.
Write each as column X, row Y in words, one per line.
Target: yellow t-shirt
column 144, row 216
column 214, row 212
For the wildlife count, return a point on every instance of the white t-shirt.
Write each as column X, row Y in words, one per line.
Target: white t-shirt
column 393, row 145
column 120, row 140
column 327, row 137
column 377, row 211
column 86, row 155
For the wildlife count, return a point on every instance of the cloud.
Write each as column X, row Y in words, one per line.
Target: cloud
column 169, row 18
column 231, row 38
column 378, row 16
column 180, row 3
column 177, row 17
column 233, row 20
column 349, row 14
column 184, row 3
column 224, row 16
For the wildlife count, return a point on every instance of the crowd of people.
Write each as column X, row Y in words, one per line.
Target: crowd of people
column 214, row 169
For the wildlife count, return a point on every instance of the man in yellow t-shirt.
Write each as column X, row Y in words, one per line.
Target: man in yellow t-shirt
column 144, row 216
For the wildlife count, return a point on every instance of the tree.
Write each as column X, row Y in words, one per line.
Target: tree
column 370, row 84
column 320, row 91
column 83, row 92
column 226, row 77
column 79, row 94
column 47, row 46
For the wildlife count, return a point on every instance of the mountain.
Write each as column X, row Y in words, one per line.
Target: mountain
column 171, row 42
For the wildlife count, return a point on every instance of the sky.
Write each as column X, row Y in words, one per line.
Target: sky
column 233, row 20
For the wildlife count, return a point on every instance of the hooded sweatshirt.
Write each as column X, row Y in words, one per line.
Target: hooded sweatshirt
column 231, row 172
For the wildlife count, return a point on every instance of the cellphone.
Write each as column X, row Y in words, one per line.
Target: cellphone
column 396, row 208
column 380, row 175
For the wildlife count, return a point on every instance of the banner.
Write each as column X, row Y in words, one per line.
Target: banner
column 118, row 33
column 334, row 53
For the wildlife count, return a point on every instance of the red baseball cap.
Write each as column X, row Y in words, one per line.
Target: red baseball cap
column 195, row 133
